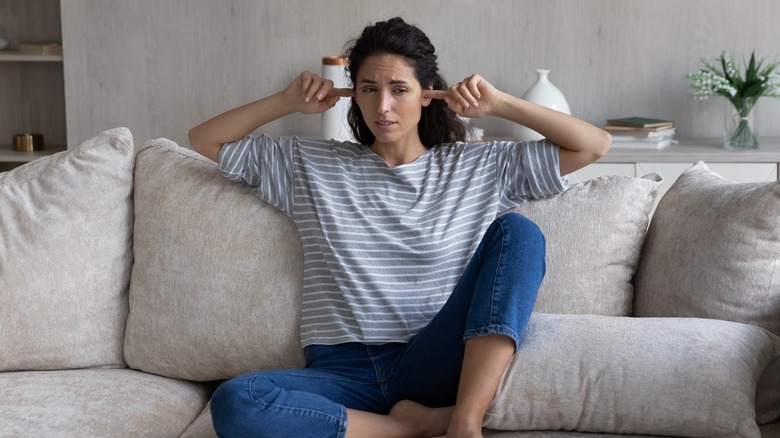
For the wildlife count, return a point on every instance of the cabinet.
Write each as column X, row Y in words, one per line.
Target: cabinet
column 756, row 165
column 32, row 87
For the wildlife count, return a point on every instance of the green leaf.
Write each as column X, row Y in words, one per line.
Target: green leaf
column 755, row 90
column 750, row 75
column 725, row 69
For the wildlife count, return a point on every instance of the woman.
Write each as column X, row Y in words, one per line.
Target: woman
column 414, row 297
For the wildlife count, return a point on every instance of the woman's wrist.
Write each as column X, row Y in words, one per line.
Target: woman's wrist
column 510, row 108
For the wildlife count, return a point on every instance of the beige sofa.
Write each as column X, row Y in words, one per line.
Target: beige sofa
column 132, row 282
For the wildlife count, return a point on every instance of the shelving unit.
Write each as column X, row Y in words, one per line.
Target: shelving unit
column 33, row 84
column 756, row 165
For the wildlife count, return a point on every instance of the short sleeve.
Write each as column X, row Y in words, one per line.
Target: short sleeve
column 264, row 163
column 529, row 170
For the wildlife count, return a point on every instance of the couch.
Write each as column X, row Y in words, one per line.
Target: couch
column 134, row 280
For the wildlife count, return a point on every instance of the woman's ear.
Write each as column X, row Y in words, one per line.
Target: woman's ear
column 425, row 99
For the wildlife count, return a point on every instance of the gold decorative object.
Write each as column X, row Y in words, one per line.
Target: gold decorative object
column 28, row 142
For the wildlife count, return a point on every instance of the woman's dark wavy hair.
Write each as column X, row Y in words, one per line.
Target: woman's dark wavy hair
column 438, row 123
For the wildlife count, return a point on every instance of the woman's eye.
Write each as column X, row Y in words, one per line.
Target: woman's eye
column 369, row 90
column 401, row 90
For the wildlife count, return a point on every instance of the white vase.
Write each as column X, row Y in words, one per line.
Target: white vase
column 544, row 93
column 334, row 121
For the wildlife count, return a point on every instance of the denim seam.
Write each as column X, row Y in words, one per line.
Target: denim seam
column 326, row 377
column 494, row 329
column 495, row 276
column 381, row 381
column 343, row 423
column 293, row 409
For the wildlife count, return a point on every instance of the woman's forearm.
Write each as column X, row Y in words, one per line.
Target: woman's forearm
column 581, row 143
column 208, row 137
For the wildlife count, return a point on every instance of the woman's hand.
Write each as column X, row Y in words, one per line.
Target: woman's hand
column 473, row 97
column 307, row 93
column 580, row 142
column 310, row 94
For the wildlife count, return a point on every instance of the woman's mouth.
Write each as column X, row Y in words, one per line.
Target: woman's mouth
column 384, row 123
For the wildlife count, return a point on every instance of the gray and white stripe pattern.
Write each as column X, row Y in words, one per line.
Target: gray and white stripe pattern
column 384, row 246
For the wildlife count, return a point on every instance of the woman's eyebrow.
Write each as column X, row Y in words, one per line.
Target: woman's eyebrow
column 392, row 82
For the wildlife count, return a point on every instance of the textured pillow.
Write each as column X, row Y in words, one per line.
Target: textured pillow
column 712, row 252
column 655, row 376
column 65, row 256
column 217, row 277
column 97, row 403
column 594, row 233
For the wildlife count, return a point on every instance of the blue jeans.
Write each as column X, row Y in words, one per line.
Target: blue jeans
column 495, row 295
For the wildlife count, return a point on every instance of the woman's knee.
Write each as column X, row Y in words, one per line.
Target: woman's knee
column 226, row 404
column 238, row 400
column 517, row 224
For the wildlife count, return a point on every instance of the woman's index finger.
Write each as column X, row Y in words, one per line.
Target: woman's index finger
column 435, row 94
column 342, row 92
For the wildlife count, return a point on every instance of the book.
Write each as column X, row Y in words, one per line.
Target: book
column 41, row 48
column 624, row 131
column 641, row 122
column 653, row 143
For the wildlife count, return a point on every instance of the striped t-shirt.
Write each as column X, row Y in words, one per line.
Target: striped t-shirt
column 385, row 246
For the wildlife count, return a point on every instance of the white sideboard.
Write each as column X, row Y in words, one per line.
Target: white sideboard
column 754, row 165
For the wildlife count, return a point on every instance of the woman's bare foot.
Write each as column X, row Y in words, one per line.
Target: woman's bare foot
column 422, row 421
column 457, row 430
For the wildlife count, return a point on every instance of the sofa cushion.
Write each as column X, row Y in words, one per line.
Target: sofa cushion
column 217, row 277
column 655, row 376
column 712, row 251
column 97, row 403
column 65, row 259
column 203, row 427
column 594, row 234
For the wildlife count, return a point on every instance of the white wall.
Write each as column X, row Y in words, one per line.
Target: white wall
column 163, row 66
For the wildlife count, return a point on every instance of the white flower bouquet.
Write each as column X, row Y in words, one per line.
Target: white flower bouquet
column 722, row 76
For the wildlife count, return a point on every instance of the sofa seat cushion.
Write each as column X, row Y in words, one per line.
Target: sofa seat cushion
column 97, row 403
column 217, row 278
column 653, row 376
column 712, row 251
column 594, row 234
column 203, row 427
column 65, row 256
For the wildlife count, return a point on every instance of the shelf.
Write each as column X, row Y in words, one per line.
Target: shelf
column 15, row 56
column 8, row 155
column 710, row 150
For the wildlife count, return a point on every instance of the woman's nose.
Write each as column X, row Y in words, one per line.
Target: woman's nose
column 385, row 102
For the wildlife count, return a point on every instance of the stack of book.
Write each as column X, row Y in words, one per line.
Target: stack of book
column 640, row 133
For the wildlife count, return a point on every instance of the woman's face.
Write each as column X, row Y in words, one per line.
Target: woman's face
column 391, row 99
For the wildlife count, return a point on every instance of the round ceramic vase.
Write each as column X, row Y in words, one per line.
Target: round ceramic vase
column 544, row 93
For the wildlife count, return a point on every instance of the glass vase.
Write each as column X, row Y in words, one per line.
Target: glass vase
column 739, row 128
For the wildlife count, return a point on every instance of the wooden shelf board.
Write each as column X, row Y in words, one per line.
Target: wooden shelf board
column 8, row 155
column 15, row 56
column 710, row 150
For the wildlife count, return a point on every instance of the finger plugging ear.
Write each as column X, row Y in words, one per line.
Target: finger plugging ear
column 435, row 94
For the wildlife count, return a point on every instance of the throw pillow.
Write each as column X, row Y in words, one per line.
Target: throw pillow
column 653, row 376
column 65, row 256
column 712, row 251
column 217, row 276
column 594, row 233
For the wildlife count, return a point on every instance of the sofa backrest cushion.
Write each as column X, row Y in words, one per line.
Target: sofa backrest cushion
column 217, row 277
column 65, row 256
column 646, row 376
column 712, row 251
column 594, row 233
